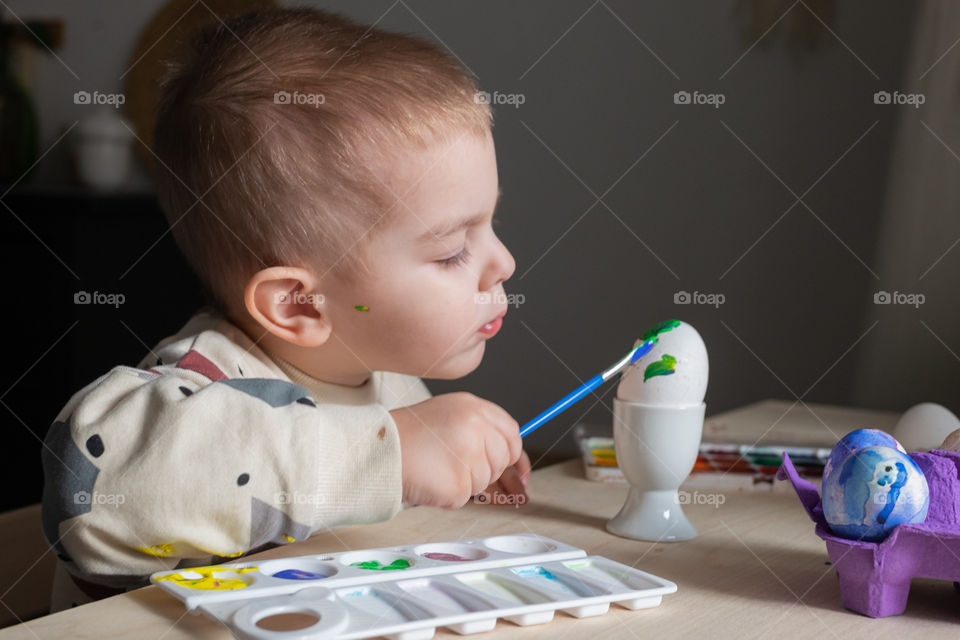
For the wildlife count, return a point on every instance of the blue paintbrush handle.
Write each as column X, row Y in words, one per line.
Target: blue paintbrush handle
column 568, row 400
column 588, row 386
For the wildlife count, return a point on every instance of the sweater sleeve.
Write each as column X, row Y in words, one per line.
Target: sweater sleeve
column 401, row 390
column 144, row 470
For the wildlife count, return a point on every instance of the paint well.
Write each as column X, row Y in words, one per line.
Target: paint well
column 518, row 544
column 451, row 552
column 298, row 569
column 298, row 574
column 210, row 578
column 502, row 588
column 375, row 565
column 608, row 576
column 371, row 602
column 443, row 598
column 384, row 606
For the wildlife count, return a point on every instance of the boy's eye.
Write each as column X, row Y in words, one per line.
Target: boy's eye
column 453, row 261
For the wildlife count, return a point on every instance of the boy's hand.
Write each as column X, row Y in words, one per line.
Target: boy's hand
column 512, row 483
column 452, row 446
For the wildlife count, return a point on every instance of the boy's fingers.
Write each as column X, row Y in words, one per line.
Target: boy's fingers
column 510, row 481
column 523, row 468
column 507, row 426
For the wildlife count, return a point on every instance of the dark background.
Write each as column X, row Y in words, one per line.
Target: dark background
column 694, row 199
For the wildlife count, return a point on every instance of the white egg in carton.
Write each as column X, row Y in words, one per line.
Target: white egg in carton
column 409, row 591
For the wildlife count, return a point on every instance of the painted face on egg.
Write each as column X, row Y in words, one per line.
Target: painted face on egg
column 429, row 293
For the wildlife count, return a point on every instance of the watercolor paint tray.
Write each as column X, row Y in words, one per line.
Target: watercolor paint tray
column 409, row 591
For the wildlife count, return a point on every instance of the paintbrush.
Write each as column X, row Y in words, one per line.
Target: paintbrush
column 571, row 398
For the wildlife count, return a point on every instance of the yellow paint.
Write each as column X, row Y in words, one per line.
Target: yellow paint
column 207, row 580
column 289, row 538
column 168, row 549
column 159, row 550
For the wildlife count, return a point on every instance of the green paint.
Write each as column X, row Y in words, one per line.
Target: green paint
column 361, row 307
column 375, row 565
column 663, row 327
column 662, row 367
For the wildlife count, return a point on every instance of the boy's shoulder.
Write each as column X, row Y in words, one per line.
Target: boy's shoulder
column 214, row 347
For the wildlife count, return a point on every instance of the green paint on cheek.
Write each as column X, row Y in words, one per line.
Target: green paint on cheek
column 375, row 565
column 666, row 325
column 662, row 367
column 361, row 307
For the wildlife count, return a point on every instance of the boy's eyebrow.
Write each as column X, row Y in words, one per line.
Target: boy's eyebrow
column 448, row 228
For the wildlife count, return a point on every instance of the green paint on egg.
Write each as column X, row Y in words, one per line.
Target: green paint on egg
column 663, row 327
column 662, row 367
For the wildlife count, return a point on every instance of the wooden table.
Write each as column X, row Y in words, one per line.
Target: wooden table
column 756, row 570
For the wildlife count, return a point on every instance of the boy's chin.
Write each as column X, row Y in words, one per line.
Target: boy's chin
column 460, row 365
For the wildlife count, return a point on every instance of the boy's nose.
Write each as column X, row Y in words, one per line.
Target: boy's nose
column 501, row 267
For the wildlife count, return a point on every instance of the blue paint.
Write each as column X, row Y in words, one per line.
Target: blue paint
column 893, row 494
column 297, row 574
column 540, row 572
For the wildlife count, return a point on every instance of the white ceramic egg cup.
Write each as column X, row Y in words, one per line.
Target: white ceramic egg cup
column 656, row 449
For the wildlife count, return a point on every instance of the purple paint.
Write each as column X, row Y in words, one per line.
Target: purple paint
column 446, row 557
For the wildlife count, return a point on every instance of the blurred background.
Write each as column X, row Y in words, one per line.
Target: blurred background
column 781, row 175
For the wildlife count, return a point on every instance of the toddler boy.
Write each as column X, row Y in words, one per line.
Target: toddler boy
column 333, row 187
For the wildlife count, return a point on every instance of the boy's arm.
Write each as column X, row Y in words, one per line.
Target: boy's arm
column 144, row 470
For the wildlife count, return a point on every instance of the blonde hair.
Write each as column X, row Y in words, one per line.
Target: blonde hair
column 275, row 120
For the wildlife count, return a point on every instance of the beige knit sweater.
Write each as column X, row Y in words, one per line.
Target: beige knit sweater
column 207, row 450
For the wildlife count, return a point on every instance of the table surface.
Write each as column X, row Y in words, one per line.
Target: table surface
column 756, row 569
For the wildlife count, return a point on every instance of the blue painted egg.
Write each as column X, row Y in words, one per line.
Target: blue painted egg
column 873, row 490
column 858, row 440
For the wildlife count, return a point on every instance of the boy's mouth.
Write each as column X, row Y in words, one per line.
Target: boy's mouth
column 493, row 326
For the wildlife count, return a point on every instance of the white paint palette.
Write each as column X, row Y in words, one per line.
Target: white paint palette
column 409, row 591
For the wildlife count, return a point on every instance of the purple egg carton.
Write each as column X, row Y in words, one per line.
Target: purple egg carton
column 875, row 576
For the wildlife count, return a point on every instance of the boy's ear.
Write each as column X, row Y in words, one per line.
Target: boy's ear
column 285, row 301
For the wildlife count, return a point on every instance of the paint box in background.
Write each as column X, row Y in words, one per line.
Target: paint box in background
column 409, row 591
column 718, row 465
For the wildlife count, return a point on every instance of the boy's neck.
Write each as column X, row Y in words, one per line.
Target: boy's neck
column 321, row 369
column 299, row 376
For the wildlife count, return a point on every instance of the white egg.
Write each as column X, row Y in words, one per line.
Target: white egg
column 951, row 442
column 674, row 373
column 925, row 426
